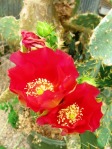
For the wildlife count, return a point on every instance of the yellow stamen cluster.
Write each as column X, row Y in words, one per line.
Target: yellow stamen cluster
column 38, row 86
column 69, row 115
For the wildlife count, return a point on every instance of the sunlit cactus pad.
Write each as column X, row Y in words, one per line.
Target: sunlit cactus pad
column 101, row 41
column 9, row 30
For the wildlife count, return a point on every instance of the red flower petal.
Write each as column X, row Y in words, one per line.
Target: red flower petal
column 57, row 68
column 85, row 111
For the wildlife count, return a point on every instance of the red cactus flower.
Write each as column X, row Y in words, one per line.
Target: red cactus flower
column 30, row 41
column 77, row 113
column 42, row 77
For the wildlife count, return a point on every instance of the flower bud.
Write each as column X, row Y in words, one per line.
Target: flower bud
column 30, row 41
column 44, row 29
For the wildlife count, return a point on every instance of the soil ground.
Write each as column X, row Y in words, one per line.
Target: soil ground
column 9, row 137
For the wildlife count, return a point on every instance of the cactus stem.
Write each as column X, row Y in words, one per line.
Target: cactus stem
column 73, row 141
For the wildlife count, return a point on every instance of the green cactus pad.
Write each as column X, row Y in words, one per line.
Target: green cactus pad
column 103, row 137
column 88, row 140
column 101, row 40
column 87, row 21
column 105, row 96
column 104, row 78
column 104, row 133
column 9, row 30
column 76, row 6
column 89, row 68
column 107, row 119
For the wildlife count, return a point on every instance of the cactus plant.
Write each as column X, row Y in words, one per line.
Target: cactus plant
column 66, row 8
column 47, row 31
column 104, row 136
column 88, row 140
column 76, row 6
column 104, row 77
column 84, row 22
column 9, row 30
column 89, row 67
column 93, row 68
column 100, row 45
column 34, row 10
column 81, row 26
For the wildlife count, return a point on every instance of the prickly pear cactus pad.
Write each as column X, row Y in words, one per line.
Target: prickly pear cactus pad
column 9, row 30
column 87, row 20
column 101, row 40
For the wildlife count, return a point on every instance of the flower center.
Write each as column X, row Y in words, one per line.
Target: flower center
column 69, row 115
column 38, row 86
